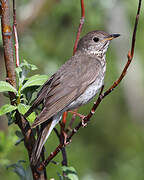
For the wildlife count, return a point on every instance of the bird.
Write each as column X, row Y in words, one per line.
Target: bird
column 74, row 84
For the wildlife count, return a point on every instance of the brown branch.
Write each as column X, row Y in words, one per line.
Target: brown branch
column 7, row 44
column 80, row 26
column 101, row 96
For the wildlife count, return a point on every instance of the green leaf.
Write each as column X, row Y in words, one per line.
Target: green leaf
column 19, row 134
column 18, row 70
column 22, row 108
column 28, row 92
column 7, row 108
column 29, row 66
column 23, row 70
column 36, row 80
column 11, row 117
column 70, row 173
column 5, row 86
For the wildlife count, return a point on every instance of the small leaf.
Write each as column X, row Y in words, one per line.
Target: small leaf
column 18, row 70
column 19, row 134
column 28, row 92
column 5, row 86
column 11, row 117
column 70, row 173
column 7, row 108
column 23, row 70
column 29, row 66
column 22, row 108
column 36, row 80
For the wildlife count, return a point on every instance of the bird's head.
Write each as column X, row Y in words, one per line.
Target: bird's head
column 96, row 42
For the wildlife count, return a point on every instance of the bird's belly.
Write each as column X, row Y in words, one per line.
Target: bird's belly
column 89, row 93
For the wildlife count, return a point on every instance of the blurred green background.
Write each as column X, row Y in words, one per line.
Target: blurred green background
column 112, row 146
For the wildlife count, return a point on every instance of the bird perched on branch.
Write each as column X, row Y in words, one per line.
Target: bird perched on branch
column 74, row 84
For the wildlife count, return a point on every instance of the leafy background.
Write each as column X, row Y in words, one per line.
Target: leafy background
column 111, row 147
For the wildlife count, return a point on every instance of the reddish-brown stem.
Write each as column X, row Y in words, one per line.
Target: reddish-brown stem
column 51, row 156
column 135, row 29
column 101, row 96
column 80, row 26
column 15, row 34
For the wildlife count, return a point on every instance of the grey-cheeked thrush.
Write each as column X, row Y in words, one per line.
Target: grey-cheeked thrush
column 74, row 84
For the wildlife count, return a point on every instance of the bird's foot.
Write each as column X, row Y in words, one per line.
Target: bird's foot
column 65, row 142
column 63, row 136
column 77, row 114
column 82, row 117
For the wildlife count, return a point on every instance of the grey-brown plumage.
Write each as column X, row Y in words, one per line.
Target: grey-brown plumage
column 74, row 84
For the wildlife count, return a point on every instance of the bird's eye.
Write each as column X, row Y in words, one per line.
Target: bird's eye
column 96, row 39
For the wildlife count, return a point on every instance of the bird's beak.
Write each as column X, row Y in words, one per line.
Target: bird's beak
column 111, row 36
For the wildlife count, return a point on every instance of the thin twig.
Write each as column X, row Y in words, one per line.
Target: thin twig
column 15, row 34
column 101, row 96
column 82, row 19
column 65, row 113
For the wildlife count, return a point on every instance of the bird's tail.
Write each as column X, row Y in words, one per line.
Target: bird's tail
column 41, row 141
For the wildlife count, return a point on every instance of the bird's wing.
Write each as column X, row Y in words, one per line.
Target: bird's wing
column 41, row 95
column 74, row 77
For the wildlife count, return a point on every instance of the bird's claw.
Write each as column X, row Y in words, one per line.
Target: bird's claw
column 82, row 117
column 78, row 114
column 65, row 142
